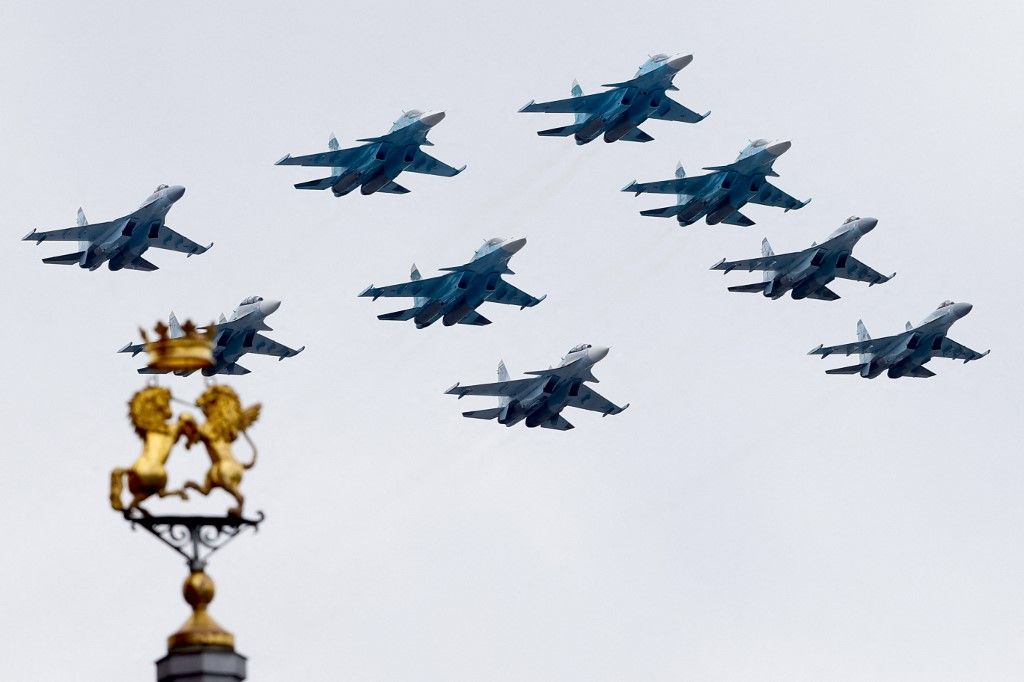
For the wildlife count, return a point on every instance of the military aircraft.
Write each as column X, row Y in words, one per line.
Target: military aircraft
column 720, row 195
column 540, row 399
column 618, row 112
column 373, row 167
column 806, row 273
column 905, row 354
column 454, row 297
column 233, row 338
column 120, row 243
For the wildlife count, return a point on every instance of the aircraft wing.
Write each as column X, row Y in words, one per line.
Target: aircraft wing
column 958, row 351
column 333, row 158
column 168, row 239
column 82, row 233
column 415, row 288
column 866, row 346
column 774, row 262
column 770, row 195
column 266, row 346
column 862, row 273
column 423, row 162
column 589, row 399
column 571, row 105
column 510, row 295
column 670, row 110
column 686, row 185
column 500, row 388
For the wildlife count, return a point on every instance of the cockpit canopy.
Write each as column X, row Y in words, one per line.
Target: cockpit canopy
column 488, row 246
column 759, row 142
column 946, row 304
column 250, row 300
column 579, row 347
column 660, row 57
column 851, row 219
column 160, row 187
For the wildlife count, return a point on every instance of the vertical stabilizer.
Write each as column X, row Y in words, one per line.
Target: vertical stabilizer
column 862, row 335
column 680, row 173
column 909, row 326
column 415, row 276
column 766, row 251
column 82, row 222
column 174, row 329
column 577, row 91
column 333, row 145
column 502, row 376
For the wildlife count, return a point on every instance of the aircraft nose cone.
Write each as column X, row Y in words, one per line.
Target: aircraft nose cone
column 597, row 353
column 679, row 62
column 963, row 308
column 268, row 307
column 176, row 192
column 867, row 224
column 433, row 119
column 779, row 148
column 513, row 245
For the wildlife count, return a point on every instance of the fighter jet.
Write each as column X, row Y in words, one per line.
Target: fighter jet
column 540, row 399
column 121, row 242
column 453, row 298
column 618, row 112
column 905, row 354
column 720, row 195
column 806, row 273
column 233, row 338
column 373, row 167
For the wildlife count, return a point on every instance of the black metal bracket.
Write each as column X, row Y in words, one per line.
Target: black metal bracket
column 195, row 538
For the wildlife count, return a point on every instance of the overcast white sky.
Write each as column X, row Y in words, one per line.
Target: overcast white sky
column 749, row 517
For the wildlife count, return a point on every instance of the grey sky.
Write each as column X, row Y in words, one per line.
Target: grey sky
column 749, row 518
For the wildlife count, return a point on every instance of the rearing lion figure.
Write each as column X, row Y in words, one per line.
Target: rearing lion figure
column 225, row 420
column 150, row 412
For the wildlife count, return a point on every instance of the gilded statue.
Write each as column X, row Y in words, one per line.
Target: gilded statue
column 225, row 421
column 150, row 414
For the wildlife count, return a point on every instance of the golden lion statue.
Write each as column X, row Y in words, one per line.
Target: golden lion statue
column 150, row 412
column 225, row 420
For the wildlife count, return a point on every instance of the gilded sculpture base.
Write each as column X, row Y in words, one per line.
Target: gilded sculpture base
column 200, row 630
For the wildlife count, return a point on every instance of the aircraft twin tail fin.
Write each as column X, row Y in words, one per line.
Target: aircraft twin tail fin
column 503, row 376
column 862, row 335
column 766, row 251
column 82, row 222
column 577, row 91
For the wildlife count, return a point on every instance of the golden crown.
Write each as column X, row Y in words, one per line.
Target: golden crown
column 190, row 351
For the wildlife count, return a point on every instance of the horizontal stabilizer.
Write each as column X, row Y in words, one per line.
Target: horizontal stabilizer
column 133, row 348
column 558, row 423
column 140, row 263
column 233, row 368
column 400, row 315
column 921, row 372
column 738, row 219
column 322, row 183
column 823, row 294
column 490, row 413
column 66, row 259
column 636, row 135
column 755, row 288
column 393, row 188
column 474, row 318
column 564, row 131
column 852, row 369
column 666, row 212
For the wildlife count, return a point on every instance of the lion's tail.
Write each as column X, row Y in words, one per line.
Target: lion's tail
column 252, row 445
column 116, row 487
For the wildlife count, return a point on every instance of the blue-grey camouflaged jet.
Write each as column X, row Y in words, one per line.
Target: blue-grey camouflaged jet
column 618, row 112
column 454, row 297
column 540, row 399
column 233, row 338
column 373, row 167
column 720, row 195
column 121, row 242
column 905, row 354
column 807, row 273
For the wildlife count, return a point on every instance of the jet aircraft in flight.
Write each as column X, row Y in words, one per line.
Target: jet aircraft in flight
column 233, row 338
column 539, row 400
column 807, row 273
column 454, row 297
column 121, row 242
column 719, row 195
column 373, row 167
column 616, row 113
column 905, row 354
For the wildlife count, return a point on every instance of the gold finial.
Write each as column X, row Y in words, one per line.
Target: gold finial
column 191, row 351
column 200, row 629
